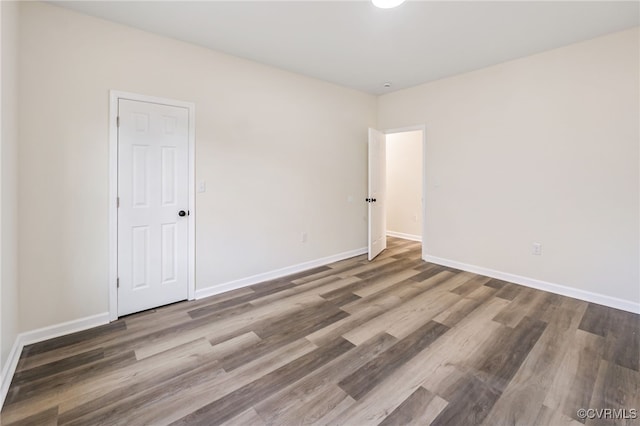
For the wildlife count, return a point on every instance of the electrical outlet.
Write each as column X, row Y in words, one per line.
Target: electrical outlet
column 536, row 249
column 303, row 237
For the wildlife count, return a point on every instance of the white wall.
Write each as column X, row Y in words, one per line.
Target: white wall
column 280, row 154
column 8, row 199
column 540, row 149
column 404, row 183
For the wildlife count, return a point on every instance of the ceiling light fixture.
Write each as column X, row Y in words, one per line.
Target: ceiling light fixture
column 387, row 4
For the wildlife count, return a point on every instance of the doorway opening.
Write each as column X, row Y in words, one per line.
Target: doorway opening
column 404, row 185
column 396, row 187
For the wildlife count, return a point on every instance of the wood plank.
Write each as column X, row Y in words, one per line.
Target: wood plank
column 70, row 339
column 405, row 318
column 194, row 397
column 622, row 345
column 396, row 293
column 47, row 417
column 623, row 349
column 240, row 324
column 457, row 352
column 170, row 337
column 317, row 394
column 427, row 365
column 388, row 269
column 259, row 291
column 339, row 328
column 508, row 351
column 616, row 388
column 279, row 333
column 425, row 265
column 469, row 405
column 86, row 398
column 471, row 285
column 96, row 386
column 213, row 308
column 515, row 311
column 367, row 266
column 373, row 372
column 125, row 411
column 496, row 283
column 309, row 410
column 191, row 390
column 334, row 269
column 300, row 288
column 551, row 417
column 574, row 380
column 428, row 272
column 331, row 418
column 55, row 367
column 31, row 389
column 384, row 282
column 509, row 291
column 243, row 342
column 248, row 417
column 422, row 407
column 523, row 397
column 239, row 400
column 420, row 310
column 462, row 308
column 596, row 320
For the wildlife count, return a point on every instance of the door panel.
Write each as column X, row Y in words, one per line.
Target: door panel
column 377, row 189
column 169, row 176
column 169, row 252
column 153, row 176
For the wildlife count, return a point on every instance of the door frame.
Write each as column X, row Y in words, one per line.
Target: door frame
column 114, row 97
column 423, row 128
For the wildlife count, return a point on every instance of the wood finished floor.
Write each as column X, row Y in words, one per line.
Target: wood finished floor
column 392, row 342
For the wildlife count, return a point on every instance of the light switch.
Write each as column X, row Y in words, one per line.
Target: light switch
column 202, row 186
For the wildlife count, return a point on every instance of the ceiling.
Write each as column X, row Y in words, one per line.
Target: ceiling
column 354, row 44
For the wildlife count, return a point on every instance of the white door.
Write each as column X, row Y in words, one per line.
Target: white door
column 376, row 198
column 153, row 179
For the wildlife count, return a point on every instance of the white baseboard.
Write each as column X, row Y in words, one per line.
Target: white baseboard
column 404, row 236
column 10, row 368
column 40, row 335
column 278, row 273
column 600, row 299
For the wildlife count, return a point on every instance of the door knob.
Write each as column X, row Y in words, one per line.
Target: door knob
column 182, row 213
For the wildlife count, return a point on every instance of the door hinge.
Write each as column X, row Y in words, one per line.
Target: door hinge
column 117, row 282
column 117, row 202
column 118, row 121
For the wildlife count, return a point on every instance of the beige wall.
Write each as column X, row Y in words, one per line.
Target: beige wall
column 280, row 154
column 8, row 199
column 541, row 149
column 404, row 183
